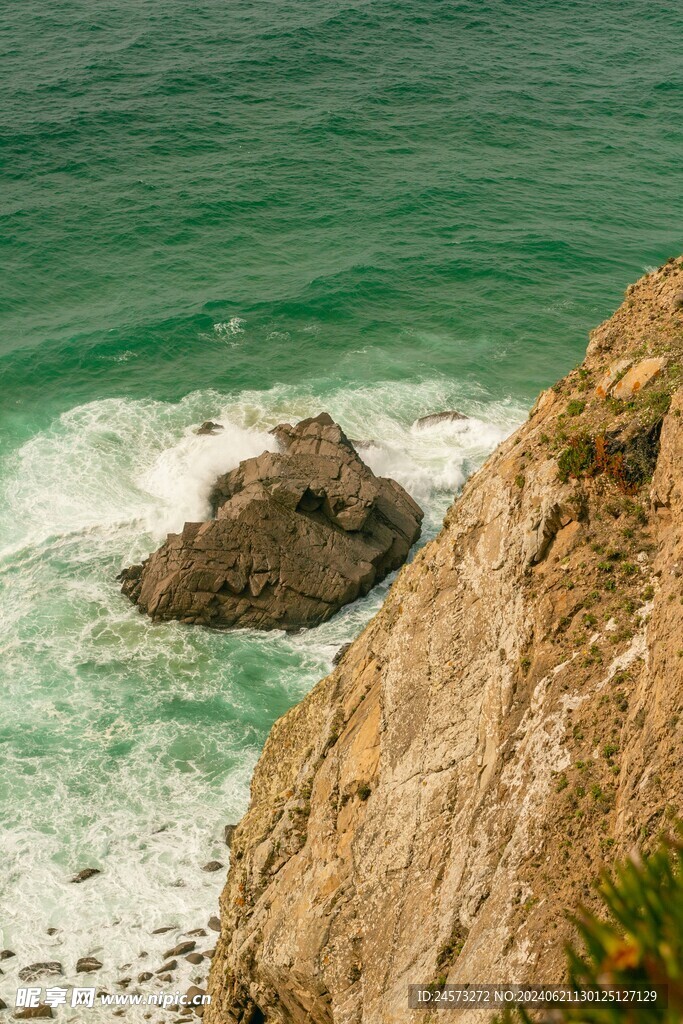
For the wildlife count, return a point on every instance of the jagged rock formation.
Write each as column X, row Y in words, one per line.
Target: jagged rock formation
column 295, row 535
column 508, row 721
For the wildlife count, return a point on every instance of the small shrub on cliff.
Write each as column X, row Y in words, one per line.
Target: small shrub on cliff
column 577, row 459
column 636, row 944
column 575, row 407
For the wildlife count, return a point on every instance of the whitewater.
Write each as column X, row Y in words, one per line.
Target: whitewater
column 128, row 745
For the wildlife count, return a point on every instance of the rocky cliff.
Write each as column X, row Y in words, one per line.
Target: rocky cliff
column 507, row 723
column 295, row 535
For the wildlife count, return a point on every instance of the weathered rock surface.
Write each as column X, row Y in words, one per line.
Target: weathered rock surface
column 297, row 534
column 87, row 964
column 34, row 971
column 509, row 720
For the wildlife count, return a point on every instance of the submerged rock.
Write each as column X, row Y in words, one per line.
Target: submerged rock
column 297, row 534
column 209, row 427
column 213, row 865
column 85, row 874
column 450, row 415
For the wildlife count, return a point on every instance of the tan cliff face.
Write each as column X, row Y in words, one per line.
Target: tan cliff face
column 508, row 722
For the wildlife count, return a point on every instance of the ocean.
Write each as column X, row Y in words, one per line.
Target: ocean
column 254, row 212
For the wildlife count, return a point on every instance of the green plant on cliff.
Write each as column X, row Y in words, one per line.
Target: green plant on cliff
column 636, row 944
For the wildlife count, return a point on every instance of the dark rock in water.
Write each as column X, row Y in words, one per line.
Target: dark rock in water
column 439, row 417
column 194, row 958
column 296, row 535
column 52, row 931
column 3, row 1004
column 208, row 953
column 357, row 443
column 214, row 924
column 165, row 977
column 180, row 950
column 340, row 653
column 228, row 833
column 41, row 1012
column 195, row 995
column 145, row 976
column 170, row 966
column 35, row 971
column 209, row 427
column 6, row 954
column 213, row 865
column 196, row 931
column 124, row 982
column 166, row 928
column 85, row 874
column 87, row 964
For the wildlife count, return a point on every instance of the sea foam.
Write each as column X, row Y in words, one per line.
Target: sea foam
column 129, row 745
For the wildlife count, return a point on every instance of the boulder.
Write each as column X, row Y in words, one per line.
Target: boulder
column 180, row 950
column 41, row 1012
column 85, row 874
column 87, row 964
column 209, row 427
column 194, row 958
column 195, row 995
column 35, row 971
column 295, row 535
column 228, row 833
column 6, row 954
column 170, row 966
column 449, row 416
column 214, row 924
column 213, row 865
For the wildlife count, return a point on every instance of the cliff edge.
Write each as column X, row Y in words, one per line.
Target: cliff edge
column 507, row 723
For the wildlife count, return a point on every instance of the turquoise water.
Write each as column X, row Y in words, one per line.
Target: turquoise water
column 252, row 212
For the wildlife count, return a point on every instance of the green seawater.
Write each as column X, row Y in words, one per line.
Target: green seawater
column 253, row 212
